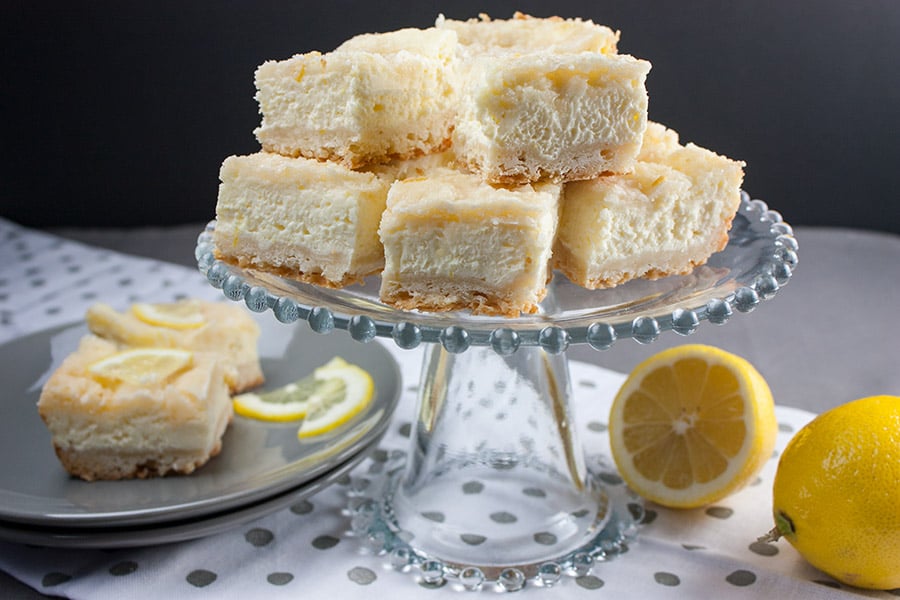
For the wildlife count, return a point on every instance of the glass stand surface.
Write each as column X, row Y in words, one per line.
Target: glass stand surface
column 495, row 489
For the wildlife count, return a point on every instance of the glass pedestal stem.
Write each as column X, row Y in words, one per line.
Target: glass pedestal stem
column 495, row 486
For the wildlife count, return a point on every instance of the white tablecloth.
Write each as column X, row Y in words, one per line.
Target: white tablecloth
column 306, row 550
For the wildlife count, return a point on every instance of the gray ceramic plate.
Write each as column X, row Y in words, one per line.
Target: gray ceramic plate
column 258, row 460
column 179, row 530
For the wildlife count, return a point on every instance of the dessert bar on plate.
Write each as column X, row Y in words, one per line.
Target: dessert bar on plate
column 166, row 420
column 225, row 330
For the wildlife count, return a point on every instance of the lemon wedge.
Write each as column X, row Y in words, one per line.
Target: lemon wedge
column 141, row 366
column 175, row 315
column 331, row 411
column 691, row 425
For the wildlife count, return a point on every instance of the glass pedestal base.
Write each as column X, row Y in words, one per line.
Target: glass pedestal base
column 521, row 549
column 495, row 489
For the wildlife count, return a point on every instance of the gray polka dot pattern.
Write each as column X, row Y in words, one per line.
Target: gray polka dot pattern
column 361, row 575
column 667, row 579
column 279, row 578
column 611, row 478
column 741, row 578
column 259, row 537
column 324, row 542
column 437, row 517
column 201, row 578
column 693, row 547
column 589, row 582
column 763, row 548
column 597, row 426
column 534, row 492
column 304, row 507
column 123, row 568
column 473, row 539
column 503, row 517
column 719, row 512
column 544, row 538
column 472, row 487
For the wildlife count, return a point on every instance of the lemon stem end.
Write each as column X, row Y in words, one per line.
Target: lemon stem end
column 784, row 527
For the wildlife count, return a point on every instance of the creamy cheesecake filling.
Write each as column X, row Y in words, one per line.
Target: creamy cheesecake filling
column 453, row 241
column 374, row 98
column 563, row 117
column 666, row 217
column 301, row 218
column 112, row 430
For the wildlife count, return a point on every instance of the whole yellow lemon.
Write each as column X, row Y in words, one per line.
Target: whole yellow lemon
column 837, row 493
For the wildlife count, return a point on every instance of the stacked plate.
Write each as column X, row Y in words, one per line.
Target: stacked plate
column 262, row 467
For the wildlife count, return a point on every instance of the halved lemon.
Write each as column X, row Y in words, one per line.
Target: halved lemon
column 331, row 411
column 141, row 366
column 186, row 314
column 691, row 425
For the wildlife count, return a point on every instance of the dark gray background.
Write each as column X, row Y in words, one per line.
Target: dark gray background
column 119, row 114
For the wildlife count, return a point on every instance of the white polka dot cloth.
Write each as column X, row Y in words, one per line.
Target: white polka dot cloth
column 305, row 551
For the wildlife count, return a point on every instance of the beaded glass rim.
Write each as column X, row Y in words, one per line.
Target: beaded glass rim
column 759, row 259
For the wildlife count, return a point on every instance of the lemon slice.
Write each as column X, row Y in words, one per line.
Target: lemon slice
column 175, row 315
column 331, row 395
column 287, row 403
column 691, row 425
column 331, row 411
column 141, row 366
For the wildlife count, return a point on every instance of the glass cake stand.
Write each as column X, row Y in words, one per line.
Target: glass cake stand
column 494, row 418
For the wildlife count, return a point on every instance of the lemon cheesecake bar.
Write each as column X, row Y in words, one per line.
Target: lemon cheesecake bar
column 305, row 219
column 666, row 217
column 453, row 241
column 525, row 33
column 374, row 98
column 562, row 116
column 224, row 330
column 117, row 414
